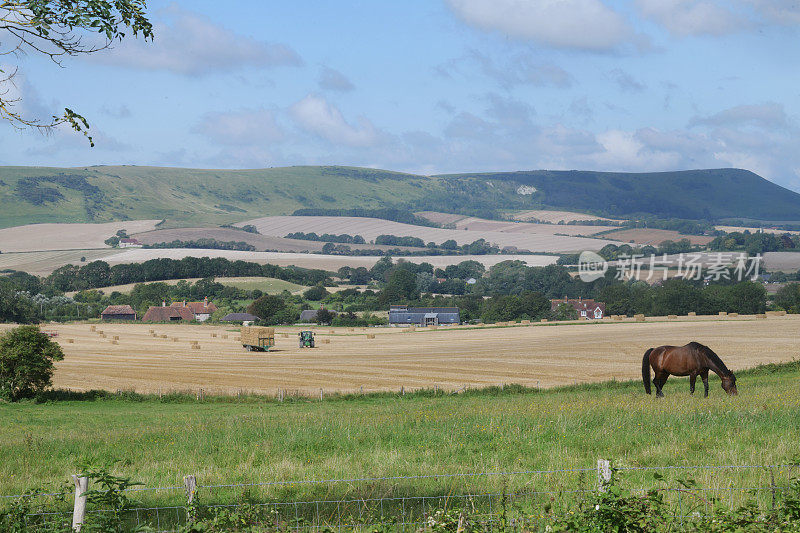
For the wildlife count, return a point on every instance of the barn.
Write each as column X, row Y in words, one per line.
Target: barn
column 118, row 312
column 424, row 316
column 244, row 318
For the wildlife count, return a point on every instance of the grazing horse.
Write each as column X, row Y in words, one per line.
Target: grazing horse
column 691, row 360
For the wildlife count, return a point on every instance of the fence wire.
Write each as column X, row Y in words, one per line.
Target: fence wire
column 524, row 490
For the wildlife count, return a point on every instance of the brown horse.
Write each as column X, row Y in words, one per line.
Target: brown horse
column 691, row 360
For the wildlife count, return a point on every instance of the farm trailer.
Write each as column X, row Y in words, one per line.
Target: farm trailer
column 259, row 339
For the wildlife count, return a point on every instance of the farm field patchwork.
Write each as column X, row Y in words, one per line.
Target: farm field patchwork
column 654, row 237
column 44, row 237
column 450, row 358
column 325, row 262
column 554, row 217
column 266, row 285
column 43, row 263
column 370, row 228
column 480, row 224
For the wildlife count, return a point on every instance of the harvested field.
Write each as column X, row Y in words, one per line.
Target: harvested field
column 43, row 263
column 731, row 229
column 554, row 217
column 504, row 226
column 449, row 357
column 326, row 262
column 654, row 237
column 261, row 242
column 784, row 261
column 370, row 228
column 45, row 237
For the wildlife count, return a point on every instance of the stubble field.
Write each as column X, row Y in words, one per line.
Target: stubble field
column 451, row 358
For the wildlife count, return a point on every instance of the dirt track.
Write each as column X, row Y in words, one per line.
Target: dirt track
column 448, row 358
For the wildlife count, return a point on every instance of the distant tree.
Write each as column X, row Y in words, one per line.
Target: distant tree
column 26, row 362
column 14, row 306
column 324, row 316
column 112, row 241
column 564, row 311
column 360, row 276
column 267, row 307
column 788, row 298
column 316, row 293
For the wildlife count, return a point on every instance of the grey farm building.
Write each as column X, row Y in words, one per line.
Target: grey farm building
column 424, row 316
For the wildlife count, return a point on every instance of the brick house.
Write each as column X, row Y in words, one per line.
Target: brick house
column 587, row 308
column 202, row 311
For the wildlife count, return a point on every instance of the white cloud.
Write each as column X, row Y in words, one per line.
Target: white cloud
column 244, row 127
column 694, row 17
column 625, row 81
column 767, row 116
column 333, row 80
column 577, row 24
column 316, row 115
column 191, row 44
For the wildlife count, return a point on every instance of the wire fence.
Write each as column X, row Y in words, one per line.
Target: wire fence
column 407, row 502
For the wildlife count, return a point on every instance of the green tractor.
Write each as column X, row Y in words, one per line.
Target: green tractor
column 306, row 339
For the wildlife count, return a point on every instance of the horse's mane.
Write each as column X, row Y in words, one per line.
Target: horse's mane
column 711, row 355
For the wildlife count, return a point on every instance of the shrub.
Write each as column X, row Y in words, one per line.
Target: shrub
column 26, row 362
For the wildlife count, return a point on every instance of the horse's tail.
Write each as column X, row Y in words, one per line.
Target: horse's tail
column 646, row 370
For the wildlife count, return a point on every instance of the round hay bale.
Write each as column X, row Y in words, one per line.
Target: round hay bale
column 370, row 335
column 734, row 315
column 723, row 313
column 761, row 315
column 70, row 341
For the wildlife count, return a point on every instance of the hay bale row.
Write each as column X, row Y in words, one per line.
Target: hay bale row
column 733, row 315
column 776, row 313
column 672, row 317
column 639, row 318
column 526, row 322
column 370, row 335
column 544, row 320
column 691, row 313
column 723, row 313
column 761, row 315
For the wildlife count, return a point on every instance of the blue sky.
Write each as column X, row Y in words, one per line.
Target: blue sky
column 433, row 86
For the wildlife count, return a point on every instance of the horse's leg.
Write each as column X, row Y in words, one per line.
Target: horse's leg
column 704, row 377
column 659, row 381
column 692, row 380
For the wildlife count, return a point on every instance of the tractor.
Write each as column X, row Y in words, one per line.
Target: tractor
column 306, row 339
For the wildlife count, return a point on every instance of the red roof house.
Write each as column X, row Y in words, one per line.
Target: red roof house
column 168, row 314
column 201, row 310
column 586, row 307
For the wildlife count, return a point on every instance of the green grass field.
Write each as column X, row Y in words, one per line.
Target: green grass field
column 254, row 440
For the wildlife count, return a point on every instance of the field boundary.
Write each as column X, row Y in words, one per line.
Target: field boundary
column 413, row 511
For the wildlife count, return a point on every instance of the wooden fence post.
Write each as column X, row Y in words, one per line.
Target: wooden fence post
column 603, row 474
column 79, row 510
column 190, row 482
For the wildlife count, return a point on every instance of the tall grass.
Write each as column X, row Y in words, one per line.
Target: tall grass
column 256, row 440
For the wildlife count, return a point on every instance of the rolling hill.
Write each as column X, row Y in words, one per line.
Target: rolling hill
column 213, row 197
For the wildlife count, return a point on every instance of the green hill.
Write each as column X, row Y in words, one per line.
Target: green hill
column 212, row 197
column 691, row 194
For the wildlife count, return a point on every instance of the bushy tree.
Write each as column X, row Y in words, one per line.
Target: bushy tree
column 26, row 362
column 267, row 307
column 324, row 316
column 316, row 293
